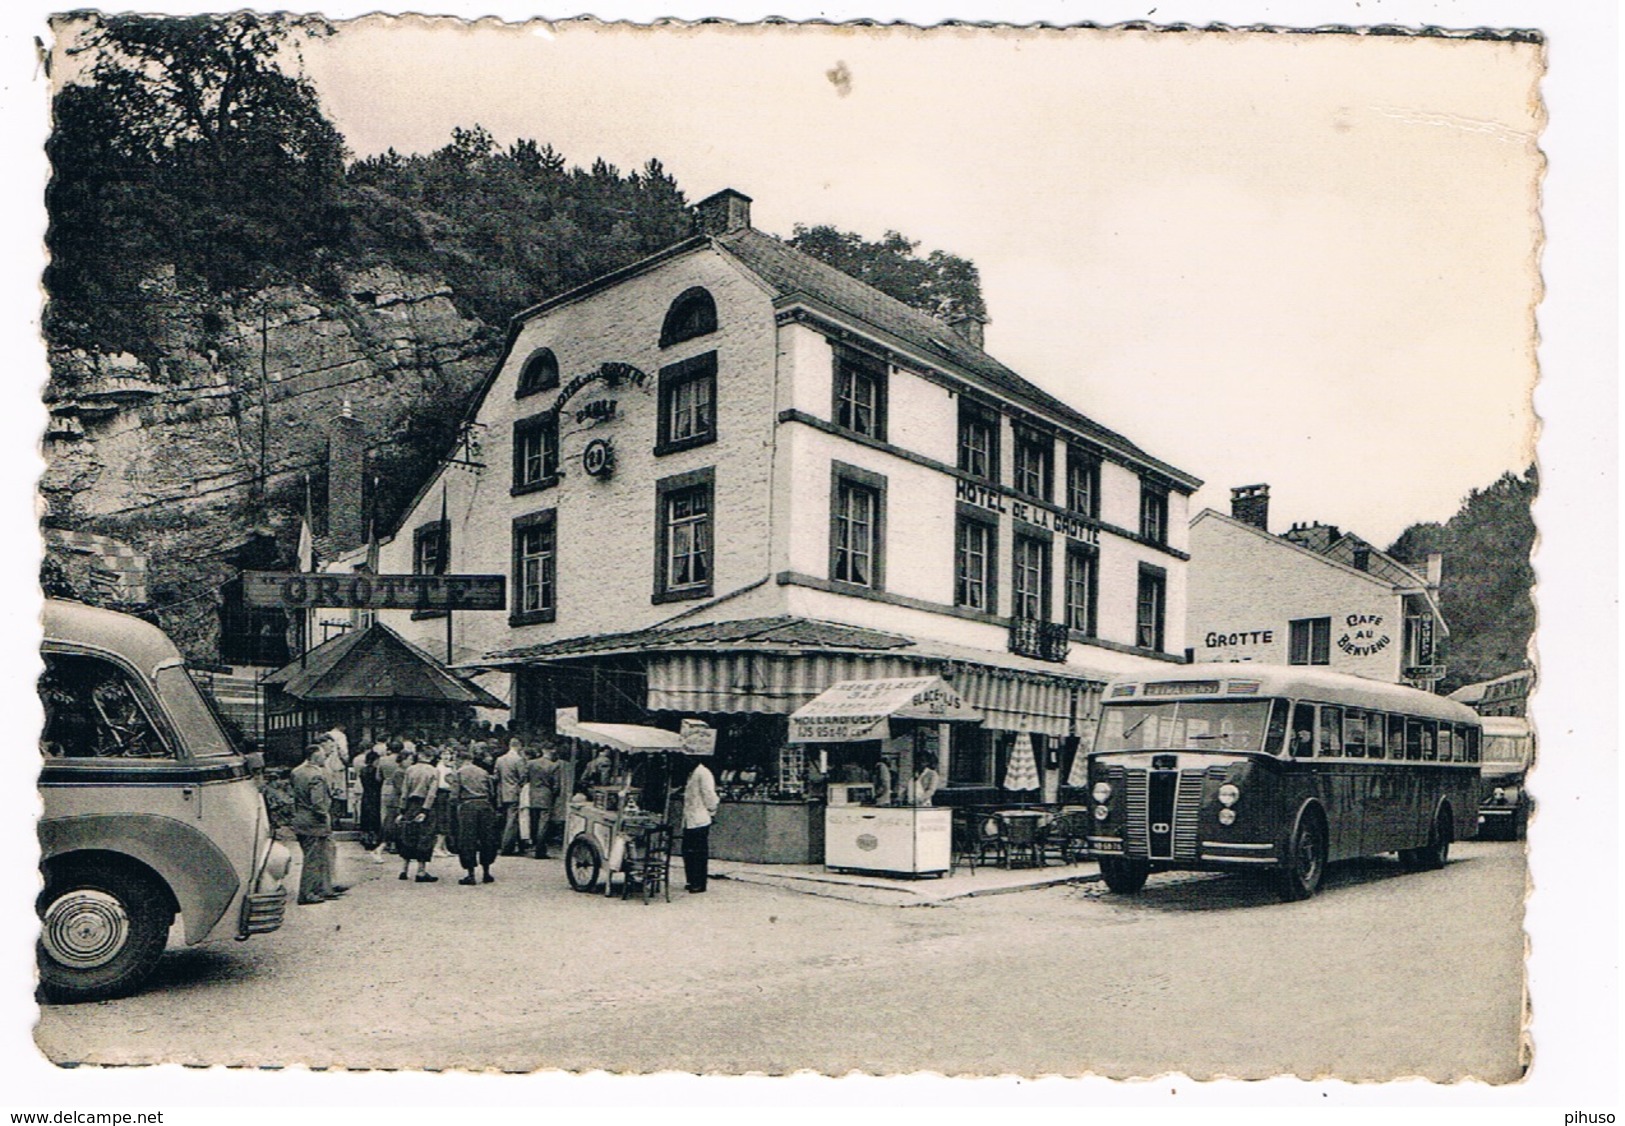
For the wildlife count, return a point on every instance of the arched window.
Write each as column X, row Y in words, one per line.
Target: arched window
column 692, row 314
column 540, row 373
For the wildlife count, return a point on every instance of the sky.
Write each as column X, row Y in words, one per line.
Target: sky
column 1307, row 261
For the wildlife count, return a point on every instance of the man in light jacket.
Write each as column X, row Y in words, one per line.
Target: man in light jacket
column 510, row 774
column 699, row 806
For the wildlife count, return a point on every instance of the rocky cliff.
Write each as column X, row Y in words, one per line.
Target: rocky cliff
column 192, row 453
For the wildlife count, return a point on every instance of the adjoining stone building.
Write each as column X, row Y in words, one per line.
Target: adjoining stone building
column 1312, row 595
column 728, row 475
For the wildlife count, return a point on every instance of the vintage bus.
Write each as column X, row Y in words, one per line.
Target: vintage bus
column 1244, row 767
column 149, row 811
column 1509, row 752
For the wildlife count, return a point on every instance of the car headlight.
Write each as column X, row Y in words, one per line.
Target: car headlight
column 1229, row 794
column 1227, row 816
column 1101, row 813
column 1498, row 795
column 1102, row 791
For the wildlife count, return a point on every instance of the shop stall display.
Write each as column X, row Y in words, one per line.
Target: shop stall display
column 877, row 744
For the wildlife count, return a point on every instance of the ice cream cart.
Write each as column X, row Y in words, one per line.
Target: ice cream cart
column 606, row 831
column 880, row 827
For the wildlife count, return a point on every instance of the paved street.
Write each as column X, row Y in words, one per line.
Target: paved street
column 1384, row 974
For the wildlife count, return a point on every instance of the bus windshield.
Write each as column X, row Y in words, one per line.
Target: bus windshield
column 1503, row 748
column 1191, row 725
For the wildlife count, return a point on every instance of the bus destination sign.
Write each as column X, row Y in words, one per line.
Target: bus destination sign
column 301, row 591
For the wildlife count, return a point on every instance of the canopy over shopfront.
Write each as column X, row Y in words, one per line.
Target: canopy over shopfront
column 855, row 710
column 627, row 738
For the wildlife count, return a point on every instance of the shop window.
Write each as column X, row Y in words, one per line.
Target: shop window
column 688, row 398
column 1151, row 608
column 857, row 527
column 860, row 393
column 535, row 568
column 1081, row 579
column 535, row 453
column 1029, row 579
column 975, row 565
column 970, row 760
column 1082, row 483
column 1309, row 642
column 94, row 710
column 978, row 440
column 1153, row 512
column 540, row 373
column 1034, row 463
column 693, row 314
column 684, row 526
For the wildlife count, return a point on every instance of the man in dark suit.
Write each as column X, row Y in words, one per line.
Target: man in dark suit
column 313, row 825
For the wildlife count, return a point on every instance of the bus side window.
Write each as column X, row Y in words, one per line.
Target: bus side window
column 1354, row 734
column 1277, row 727
column 1413, row 739
column 1458, row 745
column 1472, row 744
column 1331, row 731
column 1430, row 740
column 1396, row 737
column 1375, row 746
column 1303, row 730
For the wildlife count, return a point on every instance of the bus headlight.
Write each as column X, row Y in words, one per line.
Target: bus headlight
column 1229, row 794
column 1101, row 812
column 1227, row 816
column 1498, row 795
column 1102, row 791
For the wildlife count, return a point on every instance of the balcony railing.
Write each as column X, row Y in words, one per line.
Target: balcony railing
column 1043, row 641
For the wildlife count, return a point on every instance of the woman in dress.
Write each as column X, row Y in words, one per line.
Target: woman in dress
column 372, row 802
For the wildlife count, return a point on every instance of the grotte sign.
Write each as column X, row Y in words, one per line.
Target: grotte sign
column 375, row 592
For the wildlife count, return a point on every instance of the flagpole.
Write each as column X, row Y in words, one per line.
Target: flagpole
column 445, row 551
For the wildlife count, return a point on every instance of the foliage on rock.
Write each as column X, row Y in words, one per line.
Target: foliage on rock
column 1487, row 593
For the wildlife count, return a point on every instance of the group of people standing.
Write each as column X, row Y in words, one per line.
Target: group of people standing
column 423, row 800
column 456, row 798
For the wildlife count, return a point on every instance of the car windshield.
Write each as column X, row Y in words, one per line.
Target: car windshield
column 194, row 720
column 1194, row 725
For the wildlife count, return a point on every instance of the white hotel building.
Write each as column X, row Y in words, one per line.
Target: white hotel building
column 728, row 475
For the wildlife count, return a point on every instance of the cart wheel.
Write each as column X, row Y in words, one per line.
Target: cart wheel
column 582, row 864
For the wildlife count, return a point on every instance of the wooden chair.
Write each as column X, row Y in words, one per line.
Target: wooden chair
column 648, row 864
column 1020, row 837
column 966, row 845
column 1063, row 837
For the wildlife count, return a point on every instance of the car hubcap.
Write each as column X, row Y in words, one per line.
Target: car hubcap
column 85, row 929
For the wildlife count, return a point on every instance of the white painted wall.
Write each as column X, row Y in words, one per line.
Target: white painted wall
column 1244, row 584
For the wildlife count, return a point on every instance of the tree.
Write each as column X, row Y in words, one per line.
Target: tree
column 186, row 143
column 941, row 284
column 1486, row 593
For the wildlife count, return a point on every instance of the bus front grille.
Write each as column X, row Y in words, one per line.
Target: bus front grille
column 1187, row 805
column 1136, row 802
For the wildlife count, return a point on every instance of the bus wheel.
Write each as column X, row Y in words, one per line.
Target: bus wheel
column 1125, row 877
column 1300, row 874
column 102, row 933
column 582, row 863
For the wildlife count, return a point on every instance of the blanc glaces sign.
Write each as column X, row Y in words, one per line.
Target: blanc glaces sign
column 375, row 592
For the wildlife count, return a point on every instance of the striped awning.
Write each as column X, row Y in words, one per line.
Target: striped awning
column 779, row 683
column 1012, row 701
column 761, row 683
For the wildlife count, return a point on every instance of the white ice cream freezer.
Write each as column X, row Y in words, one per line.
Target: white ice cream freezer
column 915, row 841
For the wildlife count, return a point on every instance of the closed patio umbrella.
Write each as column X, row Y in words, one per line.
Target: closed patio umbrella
column 1022, row 772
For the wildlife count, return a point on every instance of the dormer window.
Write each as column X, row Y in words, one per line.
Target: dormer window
column 540, row 373
column 693, row 314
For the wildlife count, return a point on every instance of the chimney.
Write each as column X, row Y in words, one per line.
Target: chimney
column 346, row 481
column 1251, row 505
column 723, row 212
column 971, row 326
column 1435, row 570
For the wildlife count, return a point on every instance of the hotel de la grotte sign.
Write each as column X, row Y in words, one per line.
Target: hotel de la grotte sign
column 298, row 591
